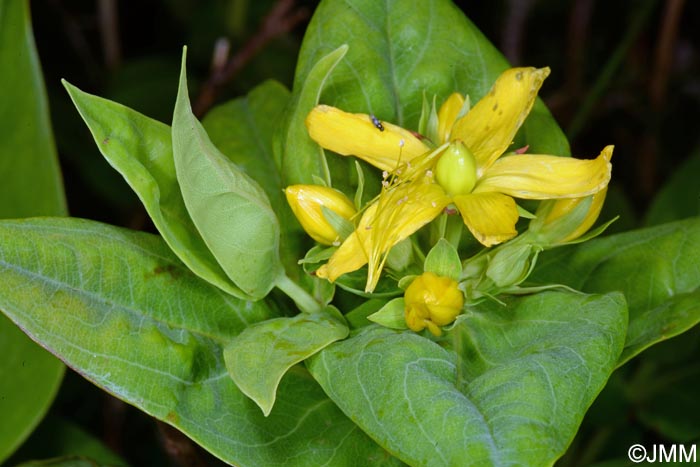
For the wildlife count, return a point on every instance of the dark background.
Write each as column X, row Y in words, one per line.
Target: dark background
column 623, row 72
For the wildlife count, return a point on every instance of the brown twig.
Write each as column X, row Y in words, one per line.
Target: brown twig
column 658, row 86
column 664, row 51
column 108, row 17
column 281, row 19
column 180, row 449
column 562, row 101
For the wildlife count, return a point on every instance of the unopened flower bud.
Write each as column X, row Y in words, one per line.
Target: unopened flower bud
column 564, row 220
column 432, row 301
column 307, row 202
column 456, row 169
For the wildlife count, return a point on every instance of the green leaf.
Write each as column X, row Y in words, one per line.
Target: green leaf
column 243, row 128
column 59, row 438
column 31, row 179
column 230, row 210
column 120, row 308
column 674, row 410
column 527, row 374
column 30, row 379
column 140, row 149
column 301, row 158
column 30, row 185
column 680, row 196
column 259, row 356
column 443, row 260
column 657, row 269
column 397, row 52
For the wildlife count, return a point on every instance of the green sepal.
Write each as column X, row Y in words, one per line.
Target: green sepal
column 443, row 260
column 392, row 315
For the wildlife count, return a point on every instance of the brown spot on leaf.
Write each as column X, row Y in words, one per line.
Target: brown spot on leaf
column 169, row 269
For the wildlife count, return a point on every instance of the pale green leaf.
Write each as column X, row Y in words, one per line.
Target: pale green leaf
column 258, row 357
column 391, row 315
column 140, row 149
column 229, row 209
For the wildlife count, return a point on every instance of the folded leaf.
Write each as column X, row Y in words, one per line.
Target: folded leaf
column 229, row 209
column 301, row 158
column 140, row 149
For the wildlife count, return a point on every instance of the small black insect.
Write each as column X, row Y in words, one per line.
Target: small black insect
column 376, row 122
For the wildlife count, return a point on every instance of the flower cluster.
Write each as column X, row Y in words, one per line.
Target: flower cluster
column 461, row 164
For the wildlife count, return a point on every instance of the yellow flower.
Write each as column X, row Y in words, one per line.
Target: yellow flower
column 467, row 170
column 307, row 202
column 432, row 301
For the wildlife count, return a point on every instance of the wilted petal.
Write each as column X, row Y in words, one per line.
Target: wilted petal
column 545, row 177
column 401, row 211
column 490, row 217
column 490, row 126
column 449, row 110
column 352, row 253
column 351, row 134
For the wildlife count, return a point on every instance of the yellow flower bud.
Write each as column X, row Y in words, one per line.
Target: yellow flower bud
column 456, row 169
column 565, row 220
column 432, row 301
column 307, row 201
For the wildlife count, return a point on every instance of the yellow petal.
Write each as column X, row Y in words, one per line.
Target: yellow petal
column 489, row 127
column 490, row 217
column 546, row 177
column 448, row 114
column 352, row 253
column 307, row 202
column 356, row 135
column 401, row 211
column 562, row 207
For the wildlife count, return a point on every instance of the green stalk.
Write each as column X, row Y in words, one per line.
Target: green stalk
column 301, row 297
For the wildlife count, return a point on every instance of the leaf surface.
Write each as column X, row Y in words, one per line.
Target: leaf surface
column 119, row 307
column 229, row 209
column 406, row 51
column 258, row 357
column 527, row 374
column 657, row 269
column 30, row 185
column 140, row 149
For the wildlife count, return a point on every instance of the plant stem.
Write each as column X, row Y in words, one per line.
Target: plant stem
column 301, row 297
